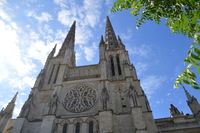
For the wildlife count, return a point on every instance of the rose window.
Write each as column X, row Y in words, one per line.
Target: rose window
column 80, row 98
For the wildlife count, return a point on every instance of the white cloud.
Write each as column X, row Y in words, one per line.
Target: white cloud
column 43, row 17
column 143, row 50
column 61, row 3
column 21, row 82
column 5, row 11
column 89, row 51
column 10, row 52
column 141, row 67
column 87, row 16
column 92, row 9
column 66, row 17
column 38, row 50
column 151, row 83
column 127, row 36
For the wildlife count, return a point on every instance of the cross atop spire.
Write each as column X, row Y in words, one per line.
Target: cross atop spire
column 69, row 41
column 111, row 39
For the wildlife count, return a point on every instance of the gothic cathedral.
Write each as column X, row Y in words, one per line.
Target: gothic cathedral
column 101, row 98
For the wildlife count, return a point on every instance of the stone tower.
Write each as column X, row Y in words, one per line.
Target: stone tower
column 101, row 98
column 6, row 114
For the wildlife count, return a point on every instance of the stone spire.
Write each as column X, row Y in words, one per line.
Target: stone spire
column 7, row 113
column 102, row 41
column 10, row 107
column 69, row 41
column 189, row 97
column 120, row 43
column 192, row 103
column 51, row 54
column 111, row 39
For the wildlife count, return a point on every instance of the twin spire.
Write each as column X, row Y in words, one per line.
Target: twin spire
column 110, row 38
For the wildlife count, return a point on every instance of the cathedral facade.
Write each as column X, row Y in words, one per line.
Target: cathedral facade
column 102, row 98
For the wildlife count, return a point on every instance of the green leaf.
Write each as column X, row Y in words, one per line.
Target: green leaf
column 197, row 51
column 185, row 81
column 195, row 56
column 196, row 87
column 198, row 69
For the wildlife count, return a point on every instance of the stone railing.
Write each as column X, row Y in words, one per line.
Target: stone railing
column 176, row 126
column 82, row 72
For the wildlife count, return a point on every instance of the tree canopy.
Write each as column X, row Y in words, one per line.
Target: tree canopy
column 182, row 16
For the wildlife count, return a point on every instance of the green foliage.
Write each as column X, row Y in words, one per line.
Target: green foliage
column 182, row 16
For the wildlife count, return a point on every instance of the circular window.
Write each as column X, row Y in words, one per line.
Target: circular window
column 80, row 98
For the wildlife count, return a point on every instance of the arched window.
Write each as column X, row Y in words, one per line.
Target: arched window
column 118, row 65
column 112, row 66
column 77, row 127
column 51, row 74
column 64, row 128
column 56, row 74
column 91, row 124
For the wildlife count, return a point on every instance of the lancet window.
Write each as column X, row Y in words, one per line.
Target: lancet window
column 112, row 66
column 78, row 127
column 91, row 124
column 118, row 65
column 51, row 74
column 64, row 128
column 56, row 74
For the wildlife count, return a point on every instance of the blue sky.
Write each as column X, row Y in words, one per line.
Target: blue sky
column 29, row 29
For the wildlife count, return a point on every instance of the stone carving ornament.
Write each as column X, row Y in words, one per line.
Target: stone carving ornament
column 80, row 98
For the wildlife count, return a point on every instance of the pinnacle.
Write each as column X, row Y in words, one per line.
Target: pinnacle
column 69, row 41
column 189, row 97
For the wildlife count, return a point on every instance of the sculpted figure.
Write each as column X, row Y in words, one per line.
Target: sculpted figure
column 104, row 98
column 53, row 104
column 133, row 95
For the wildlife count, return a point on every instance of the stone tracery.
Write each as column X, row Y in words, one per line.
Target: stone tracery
column 80, row 98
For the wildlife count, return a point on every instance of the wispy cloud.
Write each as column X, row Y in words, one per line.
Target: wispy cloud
column 127, row 35
column 5, row 11
column 151, row 83
column 143, row 51
column 89, row 52
column 141, row 67
column 43, row 17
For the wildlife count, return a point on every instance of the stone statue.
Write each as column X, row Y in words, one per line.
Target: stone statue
column 53, row 104
column 104, row 98
column 133, row 95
